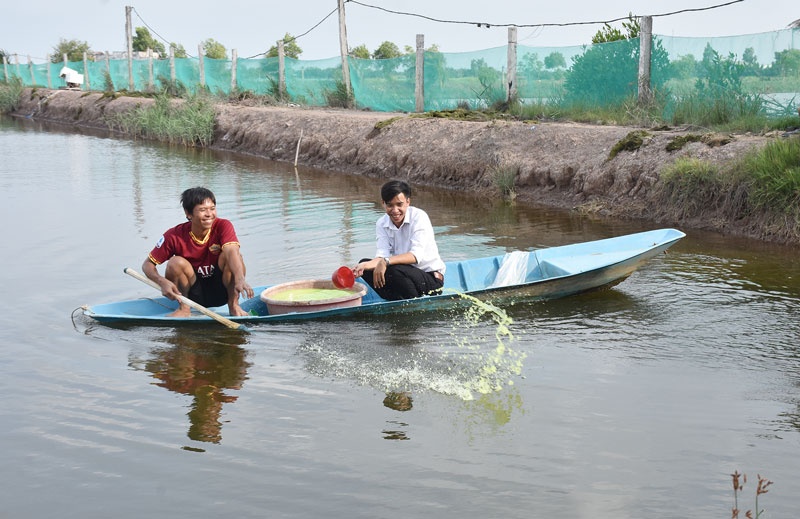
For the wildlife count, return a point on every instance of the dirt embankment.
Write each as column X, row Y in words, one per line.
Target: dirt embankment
column 559, row 164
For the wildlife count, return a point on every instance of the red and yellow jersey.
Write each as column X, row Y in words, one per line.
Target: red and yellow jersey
column 202, row 254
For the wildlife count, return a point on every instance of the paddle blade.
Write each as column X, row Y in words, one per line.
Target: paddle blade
column 343, row 277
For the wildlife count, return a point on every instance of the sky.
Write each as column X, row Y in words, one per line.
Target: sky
column 35, row 28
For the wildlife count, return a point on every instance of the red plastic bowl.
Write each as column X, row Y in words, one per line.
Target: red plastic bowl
column 343, row 277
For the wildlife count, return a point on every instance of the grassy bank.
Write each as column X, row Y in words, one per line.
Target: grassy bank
column 762, row 187
column 190, row 122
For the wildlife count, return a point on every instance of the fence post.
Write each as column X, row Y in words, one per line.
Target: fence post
column 5, row 68
column 234, row 60
column 151, row 83
column 172, row 64
column 129, row 42
column 109, row 77
column 511, row 71
column 645, row 51
column 86, row 72
column 30, row 69
column 49, row 79
column 343, row 47
column 281, row 69
column 202, row 66
column 419, row 76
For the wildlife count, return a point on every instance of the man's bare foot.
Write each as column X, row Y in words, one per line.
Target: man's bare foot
column 182, row 311
column 236, row 310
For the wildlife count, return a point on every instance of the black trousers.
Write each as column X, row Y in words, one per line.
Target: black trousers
column 404, row 282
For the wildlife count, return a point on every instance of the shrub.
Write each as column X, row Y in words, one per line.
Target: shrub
column 10, row 94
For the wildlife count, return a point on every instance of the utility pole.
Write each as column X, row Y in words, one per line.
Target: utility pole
column 645, row 51
column 129, row 43
column 343, row 47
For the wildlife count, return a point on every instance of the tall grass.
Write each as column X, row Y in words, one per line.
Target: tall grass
column 190, row 122
column 10, row 94
column 774, row 175
column 765, row 183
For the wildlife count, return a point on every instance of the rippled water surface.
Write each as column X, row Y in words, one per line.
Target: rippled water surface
column 634, row 402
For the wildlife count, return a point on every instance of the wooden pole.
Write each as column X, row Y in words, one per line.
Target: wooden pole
column 30, row 69
column 202, row 65
column 233, row 70
column 511, row 70
column 150, row 79
column 86, row 72
column 645, row 51
column 343, row 47
column 49, row 78
column 129, row 43
column 419, row 76
column 16, row 62
column 108, row 71
column 281, row 70
column 172, row 64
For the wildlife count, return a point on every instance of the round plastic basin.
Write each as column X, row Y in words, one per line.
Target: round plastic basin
column 311, row 295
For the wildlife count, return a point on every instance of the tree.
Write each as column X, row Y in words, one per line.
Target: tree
column 387, row 50
column 214, row 49
column 178, row 50
column 684, row 67
column 74, row 50
column 290, row 48
column 143, row 41
column 555, row 60
column 608, row 33
column 787, row 62
column 360, row 52
column 750, row 60
column 529, row 65
column 607, row 72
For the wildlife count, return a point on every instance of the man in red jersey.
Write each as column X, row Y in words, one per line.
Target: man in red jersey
column 202, row 256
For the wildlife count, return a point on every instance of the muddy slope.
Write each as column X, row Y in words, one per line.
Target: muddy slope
column 559, row 164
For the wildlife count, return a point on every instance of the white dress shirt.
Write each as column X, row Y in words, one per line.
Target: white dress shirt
column 415, row 235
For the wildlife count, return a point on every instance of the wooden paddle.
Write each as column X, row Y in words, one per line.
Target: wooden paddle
column 188, row 302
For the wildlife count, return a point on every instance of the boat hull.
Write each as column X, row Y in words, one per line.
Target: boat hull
column 543, row 274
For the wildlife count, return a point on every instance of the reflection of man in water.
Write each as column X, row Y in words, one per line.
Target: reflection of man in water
column 203, row 370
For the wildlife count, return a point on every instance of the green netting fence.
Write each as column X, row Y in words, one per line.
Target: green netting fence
column 760, row 72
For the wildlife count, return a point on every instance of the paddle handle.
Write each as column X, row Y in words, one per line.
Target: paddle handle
column 188, row 302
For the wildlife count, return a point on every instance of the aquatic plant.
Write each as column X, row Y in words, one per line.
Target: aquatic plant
column 504, row 178
column 739, row 479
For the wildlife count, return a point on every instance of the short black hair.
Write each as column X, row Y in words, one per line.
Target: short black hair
column 393, row 188
column 195, row 196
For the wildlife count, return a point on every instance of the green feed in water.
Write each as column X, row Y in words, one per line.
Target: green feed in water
column 310, row 294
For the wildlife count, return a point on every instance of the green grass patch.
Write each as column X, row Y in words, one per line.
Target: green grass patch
column 504, row 177
column 774, row 175
column 10, row 95
column 190, row 122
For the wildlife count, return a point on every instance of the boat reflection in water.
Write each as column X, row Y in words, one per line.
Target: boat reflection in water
column 203, row 365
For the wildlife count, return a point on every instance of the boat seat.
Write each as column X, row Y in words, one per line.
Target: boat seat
column 478, row 274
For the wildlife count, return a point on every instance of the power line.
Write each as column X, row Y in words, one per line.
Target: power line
column 154, row 31
column 565, row 24
column 300, row 36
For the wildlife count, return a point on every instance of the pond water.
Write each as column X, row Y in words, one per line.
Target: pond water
column 634, row 402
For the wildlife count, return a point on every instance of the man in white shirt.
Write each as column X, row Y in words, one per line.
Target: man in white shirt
column 407, row 262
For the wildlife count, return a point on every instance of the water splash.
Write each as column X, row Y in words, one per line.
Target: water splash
column 475, row 357
column 498, row 363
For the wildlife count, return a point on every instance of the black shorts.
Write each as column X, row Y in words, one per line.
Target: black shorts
column 209, row 291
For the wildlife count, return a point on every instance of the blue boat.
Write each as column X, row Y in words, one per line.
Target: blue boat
column 538, row 274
